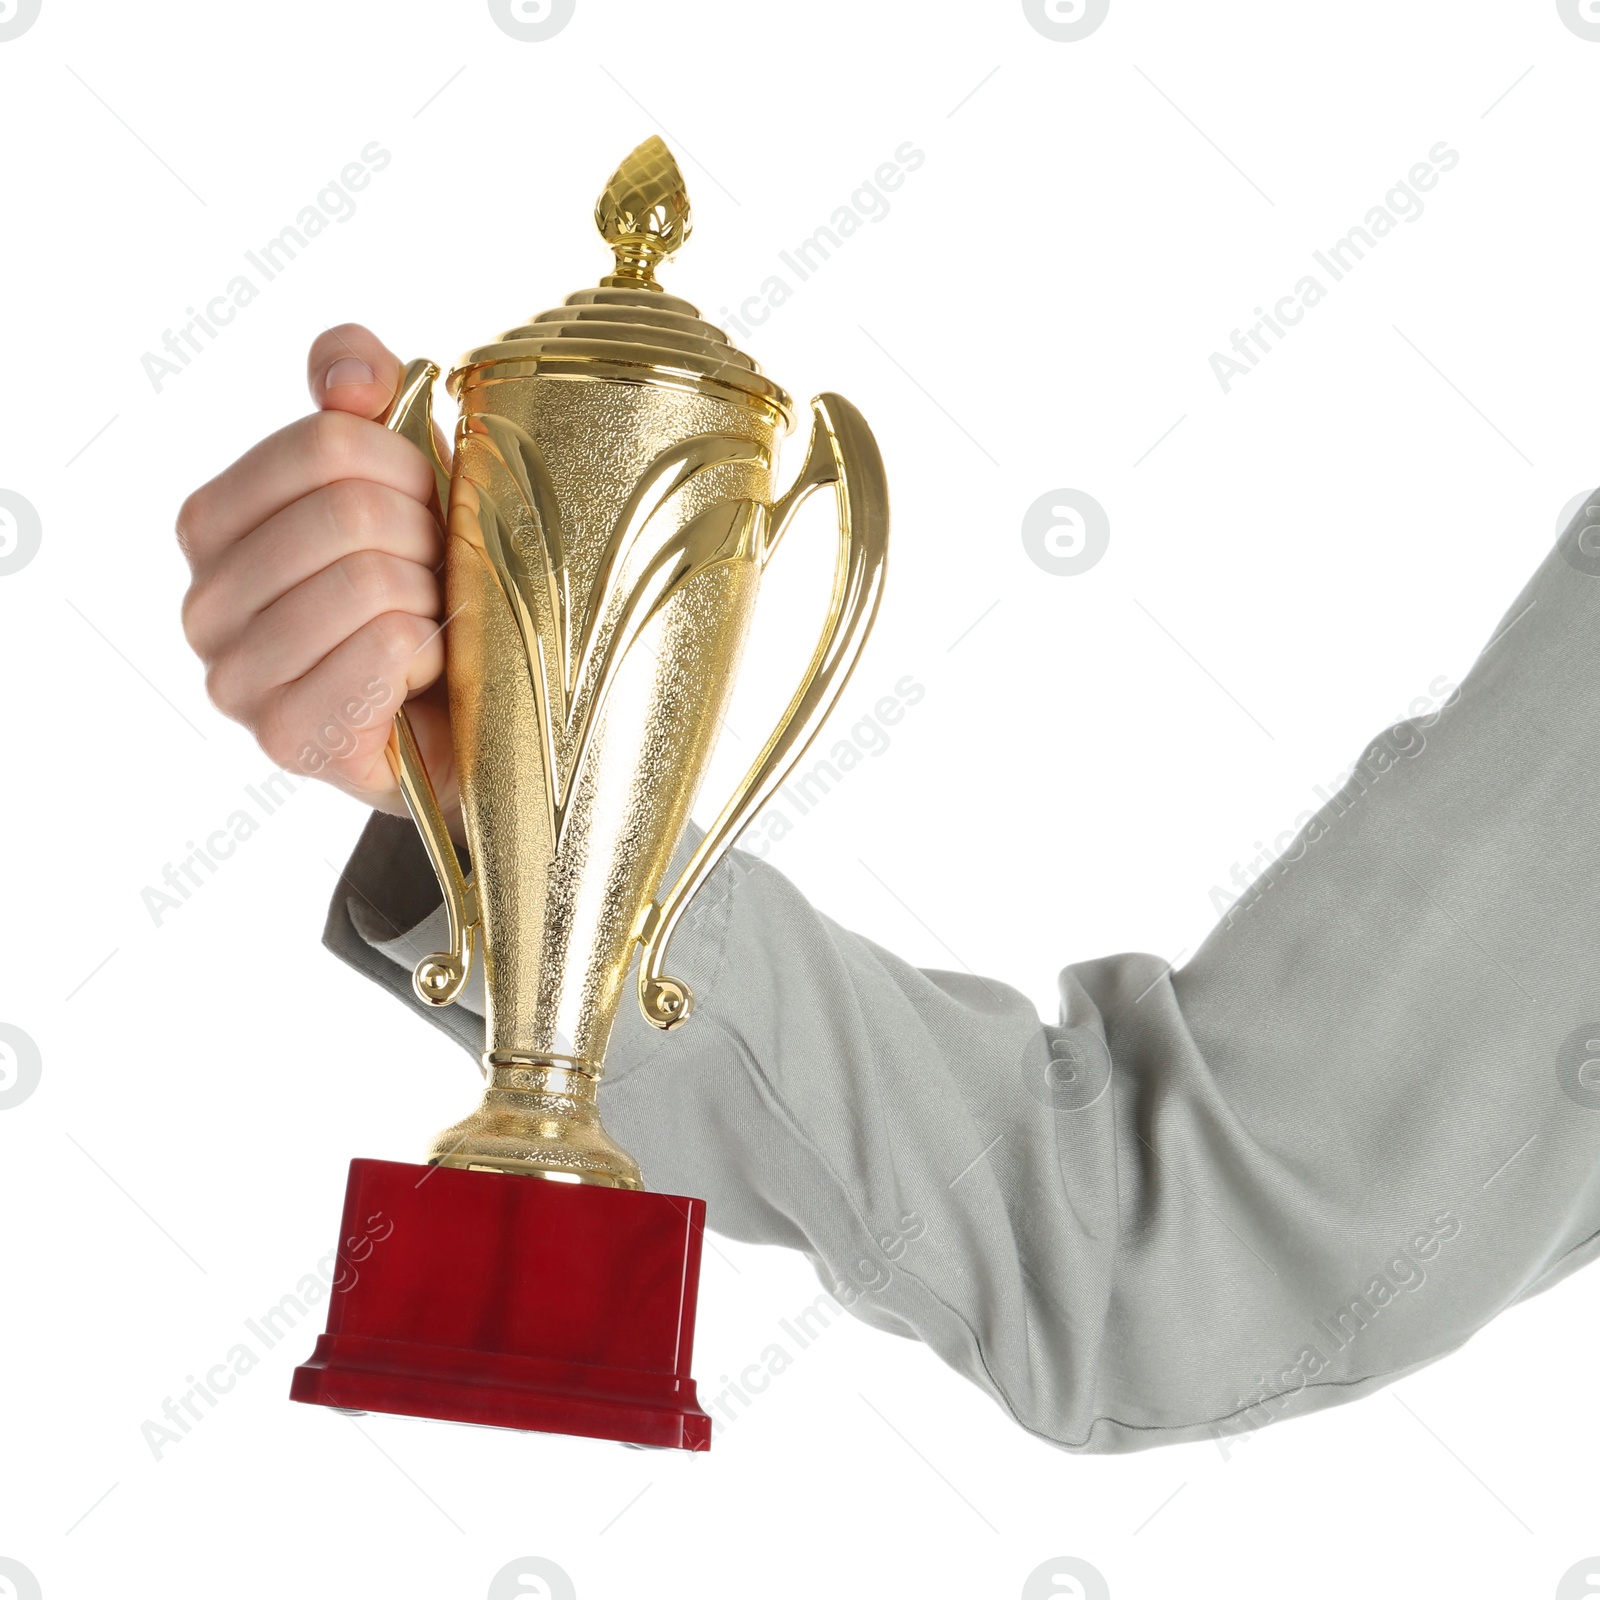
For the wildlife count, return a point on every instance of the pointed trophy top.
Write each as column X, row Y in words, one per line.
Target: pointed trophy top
column 643, row 214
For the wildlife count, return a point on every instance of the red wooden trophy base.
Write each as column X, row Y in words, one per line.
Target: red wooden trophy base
column 515, row 1302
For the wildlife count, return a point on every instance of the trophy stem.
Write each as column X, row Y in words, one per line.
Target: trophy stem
column 539, row 1118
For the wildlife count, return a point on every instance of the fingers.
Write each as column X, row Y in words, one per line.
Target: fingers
column 316, row 596
column 334, row 721
column 369, row 589
column 307, row 455
column 300, row 541
column 350, row 369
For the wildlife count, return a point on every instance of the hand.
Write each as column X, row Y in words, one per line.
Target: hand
column 316, row 603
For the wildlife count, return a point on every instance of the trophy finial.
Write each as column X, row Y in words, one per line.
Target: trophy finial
column 643, row 214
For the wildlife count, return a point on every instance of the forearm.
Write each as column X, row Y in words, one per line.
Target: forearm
column 1277, row 1175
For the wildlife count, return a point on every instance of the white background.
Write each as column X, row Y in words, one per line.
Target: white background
column 1290, row 566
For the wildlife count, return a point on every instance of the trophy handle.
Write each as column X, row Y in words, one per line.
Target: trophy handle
column 843, row 453
column 438, row 979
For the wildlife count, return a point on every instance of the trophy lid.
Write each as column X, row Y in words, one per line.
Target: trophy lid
column 628, row 328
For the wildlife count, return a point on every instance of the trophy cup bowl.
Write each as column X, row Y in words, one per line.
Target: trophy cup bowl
column 610, row 509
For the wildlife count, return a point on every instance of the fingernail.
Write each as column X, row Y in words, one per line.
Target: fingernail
column 344, row 373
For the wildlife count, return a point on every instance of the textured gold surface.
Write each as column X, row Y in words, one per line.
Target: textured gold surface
column 538, row 1116
column 611, row 508
column 583, row 726
column 844, row 457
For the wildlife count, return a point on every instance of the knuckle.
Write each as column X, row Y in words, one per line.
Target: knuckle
column 190, row 519
column 191, row 614
column 301, row 738
column 333, row 443
column 425, row 661
column 227, row 680
column 356, row 505
column 280, row 742
column 398, row 637
column 369, row 575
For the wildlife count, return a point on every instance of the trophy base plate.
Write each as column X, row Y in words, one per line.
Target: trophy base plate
column 513, row 1302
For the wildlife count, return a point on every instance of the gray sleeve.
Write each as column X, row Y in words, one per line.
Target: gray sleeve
column 1359, row 1123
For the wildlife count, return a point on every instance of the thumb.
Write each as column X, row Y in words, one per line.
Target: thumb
column 351, row 369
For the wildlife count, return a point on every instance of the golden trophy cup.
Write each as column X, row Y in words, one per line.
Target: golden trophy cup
column 610, row 511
